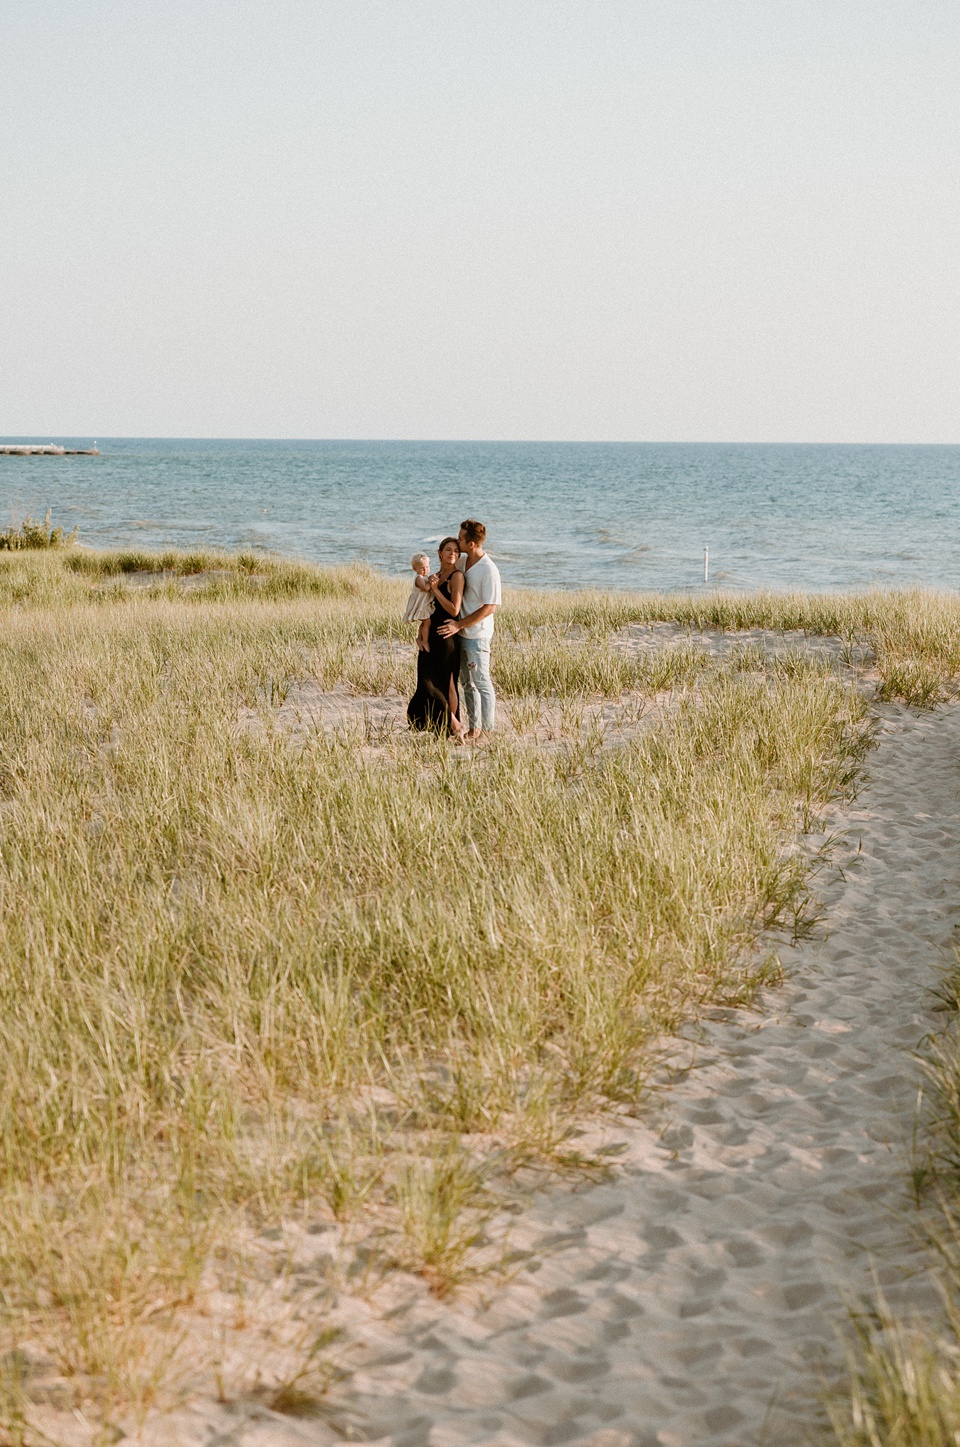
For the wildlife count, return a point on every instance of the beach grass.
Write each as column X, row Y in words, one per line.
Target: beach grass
column 903, row 1377
column 913, row 634
column 31, row 534
column 246, row 977
column 903, row 1382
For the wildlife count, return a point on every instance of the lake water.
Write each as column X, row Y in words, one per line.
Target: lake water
column 622, row 515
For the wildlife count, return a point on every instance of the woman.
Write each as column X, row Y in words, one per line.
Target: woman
column 436, row 704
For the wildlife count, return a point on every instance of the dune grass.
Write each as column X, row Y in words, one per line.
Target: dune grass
column 914, row 634
column 904, row 1372
column 33, row 535
column 904, row 1383
column 242, row 980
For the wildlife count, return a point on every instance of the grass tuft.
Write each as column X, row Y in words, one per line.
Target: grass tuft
column 443, row 1212
column 903, row 1377
column 33, row 535
column 904, row 1383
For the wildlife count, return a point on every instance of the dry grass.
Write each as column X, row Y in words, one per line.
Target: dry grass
column 241, row 980
column 904, row 1373
column 904, row 1383
column 914, row 633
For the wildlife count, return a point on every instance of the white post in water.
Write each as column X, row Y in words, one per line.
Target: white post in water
column 706, row 565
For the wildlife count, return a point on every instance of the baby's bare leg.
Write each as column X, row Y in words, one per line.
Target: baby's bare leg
column 423, row 636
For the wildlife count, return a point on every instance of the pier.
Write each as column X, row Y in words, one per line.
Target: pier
column 45, row 449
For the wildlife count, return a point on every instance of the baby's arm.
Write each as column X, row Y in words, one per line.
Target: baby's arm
column 420, row 582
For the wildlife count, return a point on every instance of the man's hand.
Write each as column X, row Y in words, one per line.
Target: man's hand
column 447, row 630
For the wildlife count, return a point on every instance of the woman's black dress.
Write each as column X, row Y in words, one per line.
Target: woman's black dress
column 430, row 706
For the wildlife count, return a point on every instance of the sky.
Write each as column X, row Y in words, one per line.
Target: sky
column 687, row 220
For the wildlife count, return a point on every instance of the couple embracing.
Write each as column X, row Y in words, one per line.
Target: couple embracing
column 455, row 636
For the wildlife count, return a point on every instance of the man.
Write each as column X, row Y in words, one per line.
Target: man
column 481, row 599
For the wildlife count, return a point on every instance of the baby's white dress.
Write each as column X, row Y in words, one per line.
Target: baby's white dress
column 419, row 606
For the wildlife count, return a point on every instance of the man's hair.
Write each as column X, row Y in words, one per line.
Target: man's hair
column 419, row 558
column 473, row 531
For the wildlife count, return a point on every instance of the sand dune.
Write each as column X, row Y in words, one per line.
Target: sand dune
column 687, row 1301
column 693, row 1300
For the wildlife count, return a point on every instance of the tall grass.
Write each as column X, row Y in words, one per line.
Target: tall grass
column 246, row 895
column 904, row 1382
column 31, row 534
column 914, row 634
column 904, row 1370
column 218, row 952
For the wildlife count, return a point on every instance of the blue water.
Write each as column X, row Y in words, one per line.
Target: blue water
column 624, row 515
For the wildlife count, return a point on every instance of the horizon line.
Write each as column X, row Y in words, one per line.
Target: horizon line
column 46, row 438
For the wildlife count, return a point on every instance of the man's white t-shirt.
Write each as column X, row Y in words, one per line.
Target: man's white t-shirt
column 481, row 584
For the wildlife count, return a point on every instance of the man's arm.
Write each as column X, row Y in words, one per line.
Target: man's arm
column 447, row 630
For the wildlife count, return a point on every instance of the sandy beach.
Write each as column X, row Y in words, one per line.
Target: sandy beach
column 695, row 1297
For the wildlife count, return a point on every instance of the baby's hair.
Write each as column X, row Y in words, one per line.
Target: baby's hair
column 417, row 559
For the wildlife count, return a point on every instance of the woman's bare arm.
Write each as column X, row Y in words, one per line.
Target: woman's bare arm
column 451, row 605
column 457, row 625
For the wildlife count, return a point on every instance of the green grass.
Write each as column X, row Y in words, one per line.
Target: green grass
column 33, row 535
column 219, row 952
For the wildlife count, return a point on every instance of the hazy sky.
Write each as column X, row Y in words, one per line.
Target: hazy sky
column 612, row 219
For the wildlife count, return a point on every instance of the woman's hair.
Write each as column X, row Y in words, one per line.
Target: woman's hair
column 446, row 543
column 419, row 558
column 473, row 531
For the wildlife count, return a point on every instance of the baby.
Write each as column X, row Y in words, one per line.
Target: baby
column 420, row 604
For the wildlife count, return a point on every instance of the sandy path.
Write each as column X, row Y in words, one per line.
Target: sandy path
column 683, row 1302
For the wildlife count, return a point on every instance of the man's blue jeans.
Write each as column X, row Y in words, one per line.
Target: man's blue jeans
column 476, row 685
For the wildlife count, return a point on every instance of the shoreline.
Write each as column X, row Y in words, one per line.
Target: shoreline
column 147, row 563
column 816, row 517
